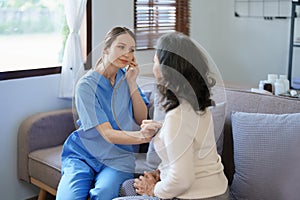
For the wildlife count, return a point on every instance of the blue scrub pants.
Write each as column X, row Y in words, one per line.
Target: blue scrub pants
column 80, row 181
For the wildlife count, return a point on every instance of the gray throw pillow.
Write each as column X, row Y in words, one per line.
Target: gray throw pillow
column 159, row 114
column 266, row 156
column 153, row 160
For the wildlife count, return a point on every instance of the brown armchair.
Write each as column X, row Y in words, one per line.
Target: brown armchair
column 40, row 141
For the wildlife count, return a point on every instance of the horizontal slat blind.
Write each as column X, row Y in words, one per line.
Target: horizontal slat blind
column 152, row 18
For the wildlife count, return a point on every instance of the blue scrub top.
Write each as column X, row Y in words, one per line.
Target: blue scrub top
column 97, row 101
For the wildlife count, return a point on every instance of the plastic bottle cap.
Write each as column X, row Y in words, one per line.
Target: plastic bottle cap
column 293, row 93
column 272, row 76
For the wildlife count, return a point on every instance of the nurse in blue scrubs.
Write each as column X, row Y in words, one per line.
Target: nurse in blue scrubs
column 98, row 157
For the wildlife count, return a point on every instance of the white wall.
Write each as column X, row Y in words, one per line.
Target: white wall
column 19, row 99
column 244, row 49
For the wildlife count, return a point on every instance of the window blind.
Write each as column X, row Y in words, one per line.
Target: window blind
column 152, row 18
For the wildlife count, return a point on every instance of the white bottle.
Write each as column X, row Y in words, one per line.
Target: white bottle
column 271, row 79
column 261, row 85
column 286, row 82
column 279, row 87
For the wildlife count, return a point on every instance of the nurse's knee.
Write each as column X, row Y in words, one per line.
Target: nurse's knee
column 72, row 195
column 76, row 190
column 104, row 193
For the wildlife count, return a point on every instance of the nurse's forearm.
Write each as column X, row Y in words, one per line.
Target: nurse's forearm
column 122, row 137
column 139, row 106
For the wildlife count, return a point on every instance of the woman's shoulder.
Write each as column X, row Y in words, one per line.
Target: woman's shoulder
column 186, row 112
column 184, row 108
column 88, row 75
column 88, row 80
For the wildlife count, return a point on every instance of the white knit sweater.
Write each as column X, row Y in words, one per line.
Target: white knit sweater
column 191, row 167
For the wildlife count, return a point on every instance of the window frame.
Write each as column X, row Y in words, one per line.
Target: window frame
column 16, row 74
column 182, row 21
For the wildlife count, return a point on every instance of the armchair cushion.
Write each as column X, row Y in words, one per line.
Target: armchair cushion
column 45, row 165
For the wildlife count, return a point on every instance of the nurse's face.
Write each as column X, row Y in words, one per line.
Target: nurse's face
column 121, row 51
column 156, row 69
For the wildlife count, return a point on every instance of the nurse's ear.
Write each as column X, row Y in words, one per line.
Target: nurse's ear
column 105, row 50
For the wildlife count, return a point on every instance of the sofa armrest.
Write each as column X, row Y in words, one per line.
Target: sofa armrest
column 42, row 130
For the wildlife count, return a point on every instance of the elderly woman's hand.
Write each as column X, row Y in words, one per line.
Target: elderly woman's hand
column 145, row 184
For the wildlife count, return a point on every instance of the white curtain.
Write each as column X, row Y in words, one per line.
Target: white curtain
column 72, row 66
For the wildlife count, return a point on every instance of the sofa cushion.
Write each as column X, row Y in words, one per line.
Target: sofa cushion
column 266, row 156
column 45, row 164
column 218, row 114
column 152, row 158
column 141, row 165
column 245, row 101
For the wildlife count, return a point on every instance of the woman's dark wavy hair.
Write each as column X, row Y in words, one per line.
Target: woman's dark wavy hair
column 185, row 72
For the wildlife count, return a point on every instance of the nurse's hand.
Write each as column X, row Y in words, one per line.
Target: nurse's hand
column 149, row 128
column 152, row 124
column 132, row 71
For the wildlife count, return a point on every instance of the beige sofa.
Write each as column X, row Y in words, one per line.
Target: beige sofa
column 41, row 136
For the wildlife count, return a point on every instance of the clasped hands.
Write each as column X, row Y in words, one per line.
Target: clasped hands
column 144, row 185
